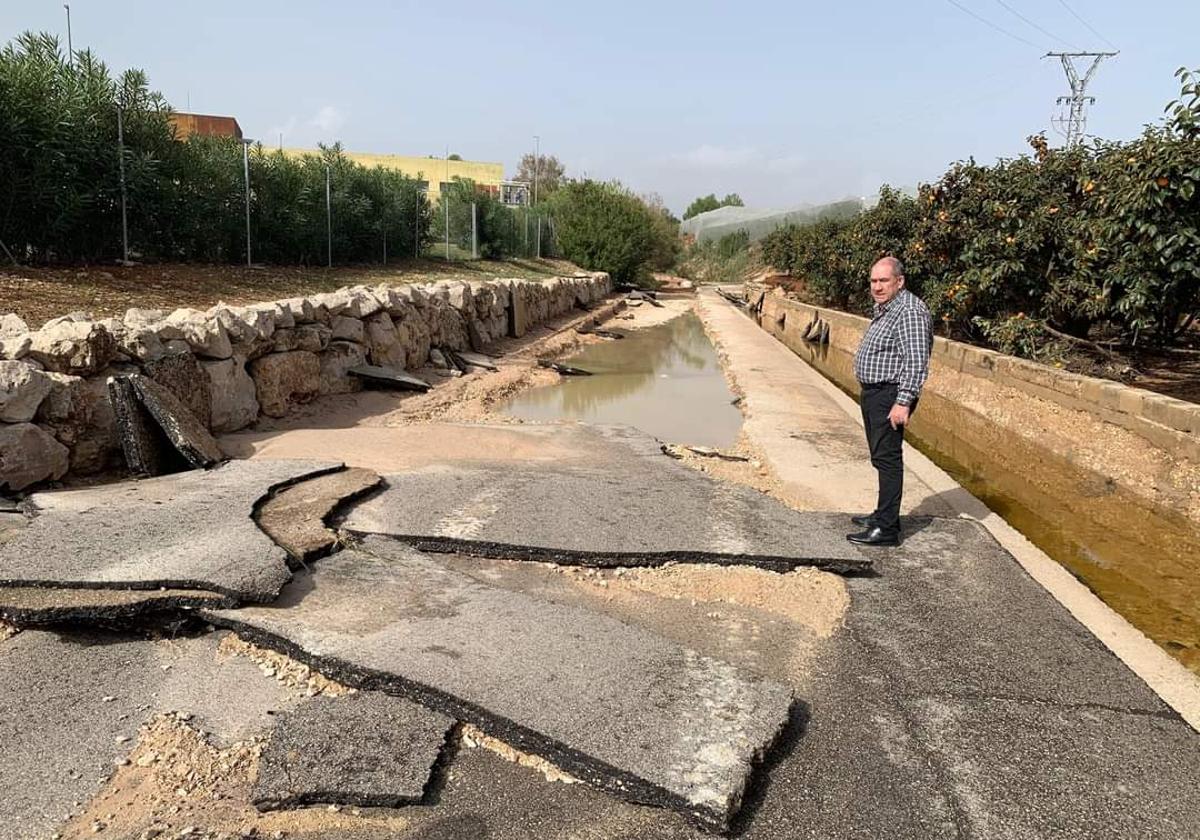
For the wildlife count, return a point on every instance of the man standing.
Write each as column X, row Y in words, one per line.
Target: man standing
column 891, row 365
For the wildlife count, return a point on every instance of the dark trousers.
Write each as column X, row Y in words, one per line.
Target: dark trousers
column 886, row 445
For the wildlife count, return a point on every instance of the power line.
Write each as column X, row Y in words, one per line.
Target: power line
column 1091, row 28
column 1045, row 32
column 987, row 22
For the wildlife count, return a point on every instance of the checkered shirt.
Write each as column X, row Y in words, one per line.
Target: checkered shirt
column 896, row 346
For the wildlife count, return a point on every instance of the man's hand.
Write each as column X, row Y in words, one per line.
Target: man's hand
column 898, row 416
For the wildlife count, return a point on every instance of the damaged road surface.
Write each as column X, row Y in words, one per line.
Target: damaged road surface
column 646, row 510
column 620, row 708
column 368, row 749
column 190, row 530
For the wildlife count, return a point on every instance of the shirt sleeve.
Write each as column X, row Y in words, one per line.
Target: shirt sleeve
column 914, row 334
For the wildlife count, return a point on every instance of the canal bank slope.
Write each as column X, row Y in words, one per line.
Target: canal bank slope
column 810, row 432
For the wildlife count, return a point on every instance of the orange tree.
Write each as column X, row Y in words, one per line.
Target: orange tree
column 1038, row 250
column 1142, row 234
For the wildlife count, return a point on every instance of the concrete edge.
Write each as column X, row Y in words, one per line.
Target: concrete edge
column 1174, row 684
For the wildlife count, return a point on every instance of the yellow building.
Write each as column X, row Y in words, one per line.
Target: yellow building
column 434, row 173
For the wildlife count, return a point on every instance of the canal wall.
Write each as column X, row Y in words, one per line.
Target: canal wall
column 1145, row 442
column 232, row 365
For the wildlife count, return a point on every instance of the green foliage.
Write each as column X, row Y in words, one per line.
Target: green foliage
column 666, row 245
column 1106, row 236
column 705, row 203
column 186, row 201
column 500, row 230
column 605, row 227
column 725, row 260
column 549, row 171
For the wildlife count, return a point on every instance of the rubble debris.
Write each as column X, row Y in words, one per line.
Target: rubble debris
column 472, row 737
column 389, row 377
column 565, row 370
column 189, row 530
column 369, row 750
column 295, row 516
column 676, row 451
column 283, row 669
column 34, row 605
column 620, row 708
column 476, row 360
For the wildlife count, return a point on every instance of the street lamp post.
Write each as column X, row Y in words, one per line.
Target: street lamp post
column 121, row 168
column 328, row 222
column 246, row 141
column 70, row 47
column 537, row 164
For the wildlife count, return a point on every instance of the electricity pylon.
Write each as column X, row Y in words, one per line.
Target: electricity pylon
column 1074, row 119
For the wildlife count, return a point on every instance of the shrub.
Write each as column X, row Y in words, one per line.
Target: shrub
column 604, row 227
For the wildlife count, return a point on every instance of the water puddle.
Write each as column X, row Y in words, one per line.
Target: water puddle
column 1139, row 559
column 665, row 380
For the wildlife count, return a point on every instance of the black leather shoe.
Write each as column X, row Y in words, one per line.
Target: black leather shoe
column 874, row 536
column 863, row 521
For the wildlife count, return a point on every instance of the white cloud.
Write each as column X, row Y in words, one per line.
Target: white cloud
column 712, row 157
column 719, row 157
column 328, row 118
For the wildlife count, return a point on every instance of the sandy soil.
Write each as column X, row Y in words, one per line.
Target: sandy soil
column 808, row 598
column 282, row 669
column 38, row 294
column 176, row 784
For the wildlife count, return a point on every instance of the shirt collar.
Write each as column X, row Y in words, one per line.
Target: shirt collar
column 884, row 308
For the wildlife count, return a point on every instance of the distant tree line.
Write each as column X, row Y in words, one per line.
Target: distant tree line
column 705, row 203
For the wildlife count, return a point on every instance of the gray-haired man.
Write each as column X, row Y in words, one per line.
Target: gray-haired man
column 891, row 365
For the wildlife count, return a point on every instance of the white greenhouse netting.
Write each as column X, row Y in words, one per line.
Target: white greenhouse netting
column 759, row 222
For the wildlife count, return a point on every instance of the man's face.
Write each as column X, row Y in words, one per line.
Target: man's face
column 884, row 284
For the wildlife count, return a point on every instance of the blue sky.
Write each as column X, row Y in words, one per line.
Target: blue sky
column 783, row 102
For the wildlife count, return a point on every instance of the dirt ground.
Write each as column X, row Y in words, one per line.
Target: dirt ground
column 38, row 294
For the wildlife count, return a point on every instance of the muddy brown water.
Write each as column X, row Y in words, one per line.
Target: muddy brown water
column 665, row 380
column 1141, row 560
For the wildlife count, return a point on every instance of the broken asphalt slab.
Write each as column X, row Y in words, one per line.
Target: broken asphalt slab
column 295, row 516
column 189, row 530
column 618, row 707
column 186, row 433
column 71, row 704
column 147, row 449
column 389, row 377
column 644, row 509
column 367, row 749
column 33, row 605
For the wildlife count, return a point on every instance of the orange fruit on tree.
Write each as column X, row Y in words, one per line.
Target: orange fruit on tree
column 1162, row 181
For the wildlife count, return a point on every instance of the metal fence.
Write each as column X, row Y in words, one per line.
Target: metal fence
column 471, row 230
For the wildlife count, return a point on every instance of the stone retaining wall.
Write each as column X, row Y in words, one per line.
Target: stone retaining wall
column 231, row 364
column 1145, row 442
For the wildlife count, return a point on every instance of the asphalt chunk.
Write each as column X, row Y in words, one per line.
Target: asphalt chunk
column 367, row 749
column 295, row 516
column 189, row 530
